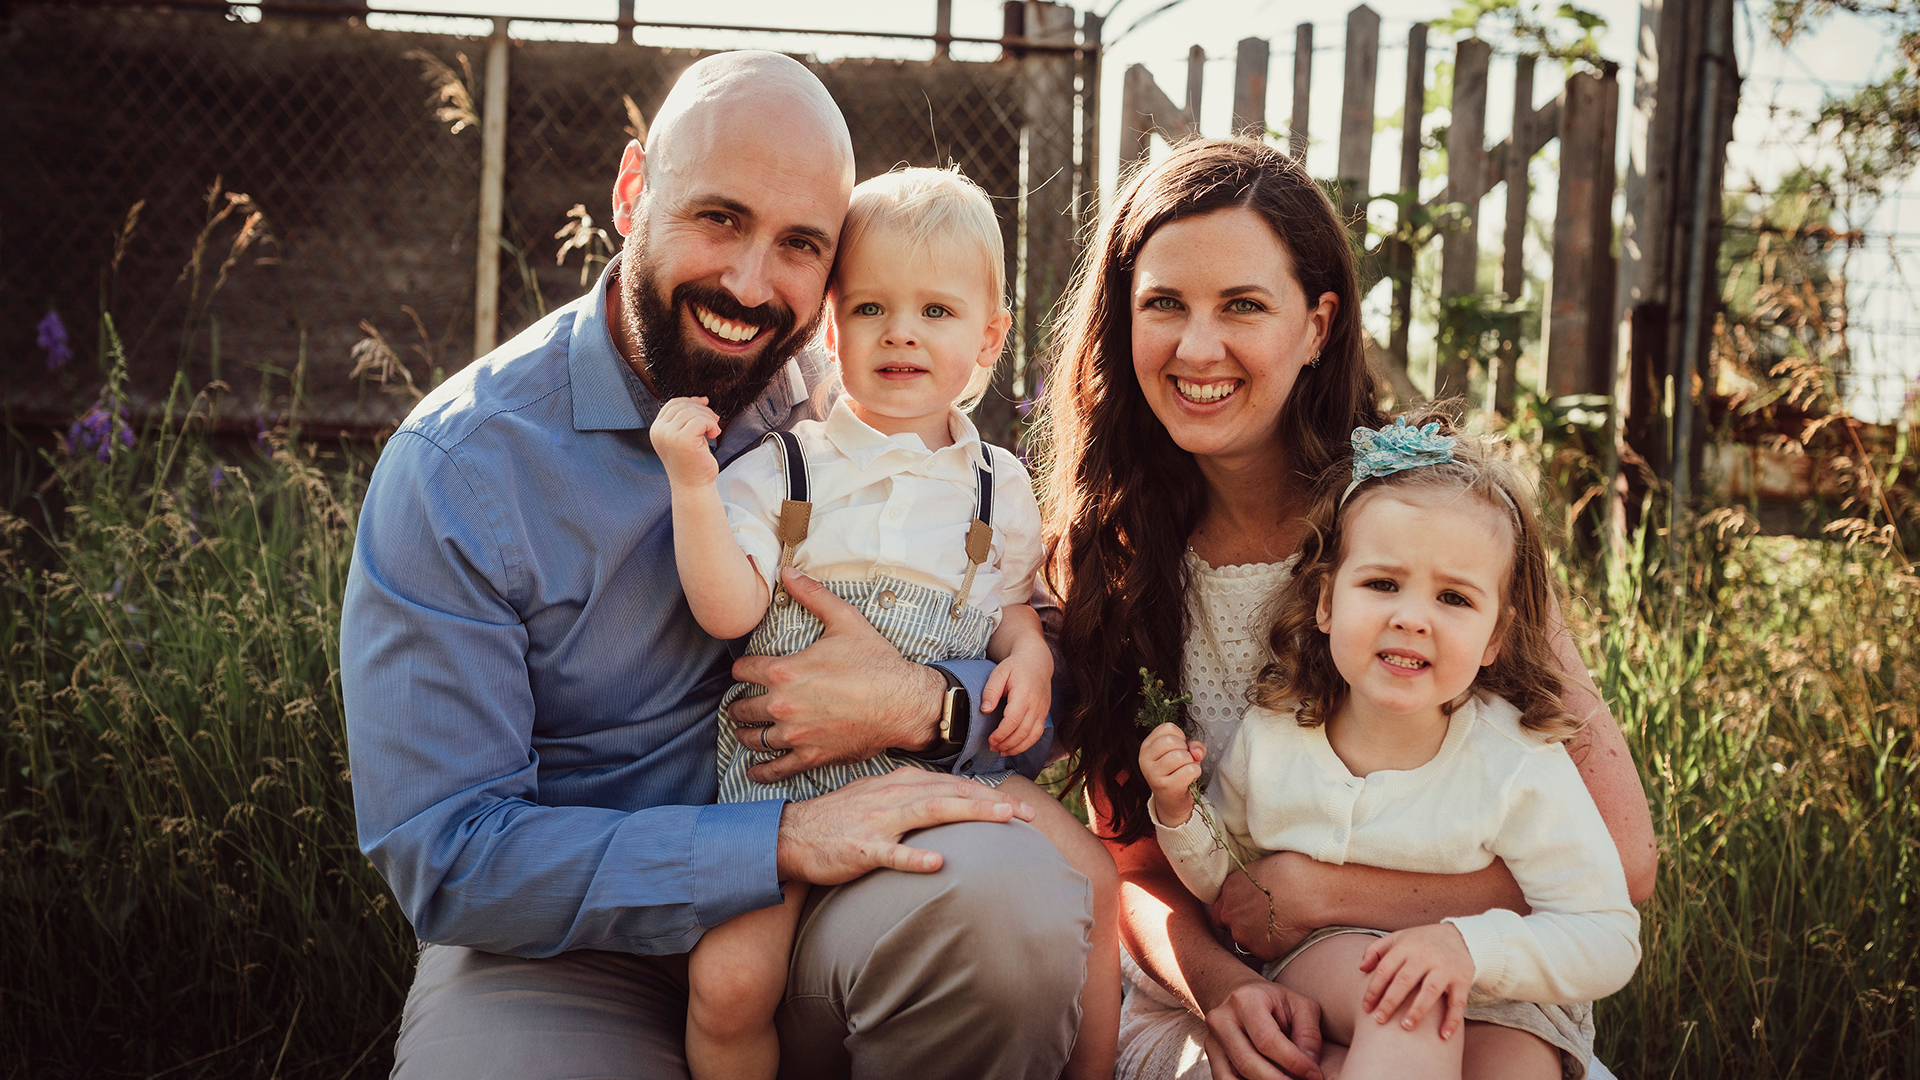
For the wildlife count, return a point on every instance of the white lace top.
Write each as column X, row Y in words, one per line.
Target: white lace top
column 1227, row 612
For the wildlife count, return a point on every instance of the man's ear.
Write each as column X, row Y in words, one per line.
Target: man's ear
column 1323, row 611
column 627, row 187
column 995, row 340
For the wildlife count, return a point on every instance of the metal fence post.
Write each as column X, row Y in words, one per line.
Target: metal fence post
column 493, row 174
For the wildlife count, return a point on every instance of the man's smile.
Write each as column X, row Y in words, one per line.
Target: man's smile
column 725, row 329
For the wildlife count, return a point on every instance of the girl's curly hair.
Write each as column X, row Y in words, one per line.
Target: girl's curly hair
column 1526, row 672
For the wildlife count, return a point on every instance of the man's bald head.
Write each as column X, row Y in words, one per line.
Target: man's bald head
column 732, row 214
column 730, row 98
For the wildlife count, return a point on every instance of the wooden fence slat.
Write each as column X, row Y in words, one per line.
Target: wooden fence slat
column 1196, row 78
column 1250, row 61
column 1466, row 182
column 1569, row 305
column 1145, row 109
column 1356, row 112
column 1501, row 382
column 1412, row 116
column 1302, row 90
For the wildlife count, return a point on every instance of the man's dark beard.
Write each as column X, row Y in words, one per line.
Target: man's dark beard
column 681, row 368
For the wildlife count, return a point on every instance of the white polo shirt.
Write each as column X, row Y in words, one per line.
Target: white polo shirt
column 886, row 506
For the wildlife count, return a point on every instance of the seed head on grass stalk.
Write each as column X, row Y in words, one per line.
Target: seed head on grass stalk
column 1157, row 708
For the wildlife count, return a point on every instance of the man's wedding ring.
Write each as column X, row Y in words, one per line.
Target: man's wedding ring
column 763, row 742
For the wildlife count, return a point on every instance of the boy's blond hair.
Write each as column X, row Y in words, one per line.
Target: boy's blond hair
column 933, row 208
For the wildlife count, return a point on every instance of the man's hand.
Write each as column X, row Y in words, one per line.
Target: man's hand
column 1264, row 1032
column 1243, row 910
column 1170, row 763
column 846, row 697
column 1425, row 962
column 679, row 435
column 845, row 833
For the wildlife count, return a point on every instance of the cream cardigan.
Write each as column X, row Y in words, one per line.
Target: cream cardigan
column 1494, row 790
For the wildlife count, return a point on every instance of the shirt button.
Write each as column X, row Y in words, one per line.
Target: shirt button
column 887, row 598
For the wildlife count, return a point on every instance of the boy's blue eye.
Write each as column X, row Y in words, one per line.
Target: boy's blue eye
column 936, row 311
column 866, row 309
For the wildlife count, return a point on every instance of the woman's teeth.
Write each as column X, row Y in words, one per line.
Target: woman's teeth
column 1206, row 393
column 725, row 329
column 1411, row 663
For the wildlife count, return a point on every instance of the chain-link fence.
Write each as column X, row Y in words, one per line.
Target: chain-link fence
column 370, row 202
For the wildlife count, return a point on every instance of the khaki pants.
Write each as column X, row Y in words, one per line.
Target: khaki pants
column 974, row 971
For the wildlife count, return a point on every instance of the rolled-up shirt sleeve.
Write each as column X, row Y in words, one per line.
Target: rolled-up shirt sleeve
column 440, row 724
column 753, row 489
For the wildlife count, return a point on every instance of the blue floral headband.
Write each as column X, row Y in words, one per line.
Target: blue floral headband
column 1395, row 448
column 1399, row 446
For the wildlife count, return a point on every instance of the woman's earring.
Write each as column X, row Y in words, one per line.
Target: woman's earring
column 1314, row 361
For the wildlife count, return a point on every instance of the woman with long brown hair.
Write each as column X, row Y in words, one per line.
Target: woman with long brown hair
column 1211, row 365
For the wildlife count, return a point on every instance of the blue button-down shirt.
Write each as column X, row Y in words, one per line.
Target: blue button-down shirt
column 530, row 703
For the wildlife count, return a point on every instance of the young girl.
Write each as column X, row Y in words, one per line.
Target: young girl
column 897, row 506
column 1410, row 722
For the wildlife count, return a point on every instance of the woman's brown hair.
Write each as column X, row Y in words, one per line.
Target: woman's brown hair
column 1121, row 498
column 1526, row 672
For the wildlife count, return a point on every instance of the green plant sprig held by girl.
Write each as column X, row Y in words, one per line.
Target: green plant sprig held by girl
column 1157, row 708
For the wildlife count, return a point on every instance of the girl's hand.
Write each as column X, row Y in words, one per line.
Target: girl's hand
column 679, row 435
column 1433, row 959
column 1025, row 679
column 1170, row 764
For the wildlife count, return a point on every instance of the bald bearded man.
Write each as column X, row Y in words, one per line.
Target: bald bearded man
column 530, row 703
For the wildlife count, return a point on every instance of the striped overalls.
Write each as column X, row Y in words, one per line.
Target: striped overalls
column 924, row 623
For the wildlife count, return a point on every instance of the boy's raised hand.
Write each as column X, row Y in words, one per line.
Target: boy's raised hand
column 1434, row 959
column 1025, row 679
column 1170, row 763
column 680, row 435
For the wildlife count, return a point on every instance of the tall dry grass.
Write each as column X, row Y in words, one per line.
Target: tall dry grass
column 1771, row 693
column 180, row 891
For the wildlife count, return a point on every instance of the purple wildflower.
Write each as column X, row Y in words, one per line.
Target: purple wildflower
column 53, row 338
column 97, row 430
column 218, row 478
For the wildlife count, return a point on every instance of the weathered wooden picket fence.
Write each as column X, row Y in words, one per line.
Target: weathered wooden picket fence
column 1580, row 315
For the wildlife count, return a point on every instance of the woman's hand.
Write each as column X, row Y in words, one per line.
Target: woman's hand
column 1264, row 1032
column 1170, row 763
column 1243, row 911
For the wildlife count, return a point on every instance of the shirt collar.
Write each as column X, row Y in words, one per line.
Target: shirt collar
column 864, row 446
column 602, row 398
column 609, row 396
